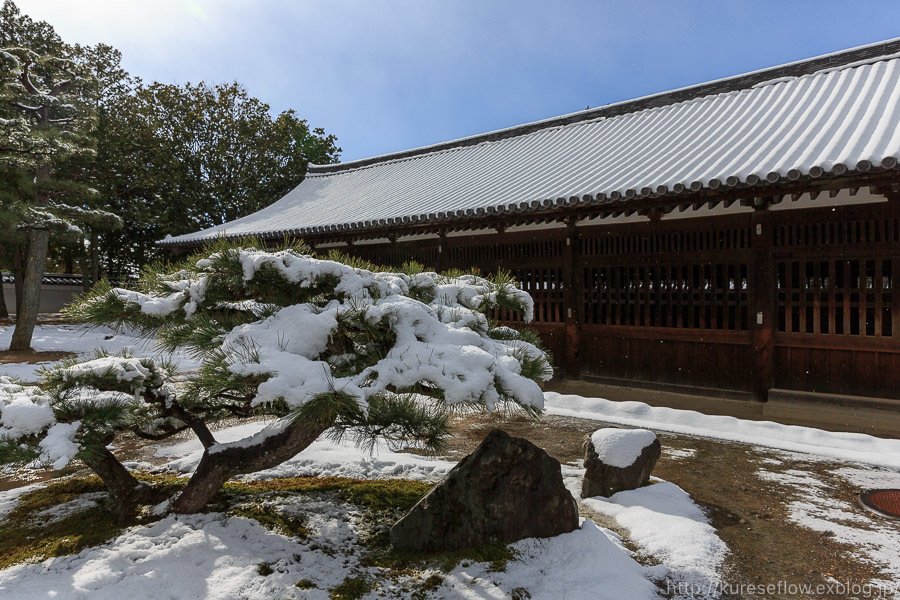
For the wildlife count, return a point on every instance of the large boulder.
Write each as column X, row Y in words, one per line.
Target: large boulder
column 618, row 459
column 507, row 490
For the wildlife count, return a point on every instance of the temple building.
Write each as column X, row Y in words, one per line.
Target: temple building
column 741, row 235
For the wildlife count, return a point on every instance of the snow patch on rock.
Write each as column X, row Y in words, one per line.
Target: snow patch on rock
column 621, row 447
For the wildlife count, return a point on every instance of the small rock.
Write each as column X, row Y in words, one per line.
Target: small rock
column 618, row 459
column 507, row 490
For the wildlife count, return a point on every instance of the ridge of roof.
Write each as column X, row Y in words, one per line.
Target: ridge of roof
column 841, row 59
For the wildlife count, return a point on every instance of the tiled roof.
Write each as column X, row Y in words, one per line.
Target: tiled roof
column 827, row 115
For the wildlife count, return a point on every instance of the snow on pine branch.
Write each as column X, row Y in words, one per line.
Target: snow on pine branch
column 123, row 373
column 107, row 391
column 334, row 327
column 26, row 412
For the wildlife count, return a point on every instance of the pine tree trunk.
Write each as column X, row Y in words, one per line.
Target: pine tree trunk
column 95, row 260
column 38, row 245
column 83, row 266
column 4, row 313
column 27, row 313
column 126, row 491
column 18, row 279
column 216, row 468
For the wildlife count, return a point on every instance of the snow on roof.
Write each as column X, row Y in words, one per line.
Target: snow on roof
column 802, row 119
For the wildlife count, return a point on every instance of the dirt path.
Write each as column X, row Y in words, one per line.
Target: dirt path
column 752, row 496
column 32, row 357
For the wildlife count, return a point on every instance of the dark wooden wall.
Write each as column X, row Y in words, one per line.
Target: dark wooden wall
column 838, row 306
column 800, row 299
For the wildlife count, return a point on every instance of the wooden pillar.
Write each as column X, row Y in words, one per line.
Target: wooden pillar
column 892, row 193
column 443, row 252
column 762, row 301
column 894, row 199
column 572, row 294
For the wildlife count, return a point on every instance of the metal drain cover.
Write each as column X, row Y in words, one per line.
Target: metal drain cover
column 883, row 502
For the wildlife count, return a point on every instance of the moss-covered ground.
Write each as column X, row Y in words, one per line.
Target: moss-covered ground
column 25, row 537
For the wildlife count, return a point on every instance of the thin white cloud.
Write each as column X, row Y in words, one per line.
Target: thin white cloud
column 385, row 75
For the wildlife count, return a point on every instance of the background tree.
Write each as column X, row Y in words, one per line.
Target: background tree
column 319, row 344
column 63, row 218
column 108, row 83
column 17, row 30
column 183, row 158
column 164, row 159
column 43, row 121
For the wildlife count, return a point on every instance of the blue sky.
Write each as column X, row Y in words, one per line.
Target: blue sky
column 396, row 74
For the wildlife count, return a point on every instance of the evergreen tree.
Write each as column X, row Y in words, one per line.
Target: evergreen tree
column 322, row 345
column 63, row 218
column 178, row 159
column 42, row 121
column 108, row 83
column 166, row 159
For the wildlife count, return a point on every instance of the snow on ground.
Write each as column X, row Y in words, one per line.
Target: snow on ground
column 586, row 564
column 211, row 556
column 82, row 340
column 678, row 453
column 9, row 499
column 856, row 447
column 215, row 557
column 871, row 538
column 73, row 506
column 866, row 478
column 666, row 526
column 323, row 458
column 197, row 556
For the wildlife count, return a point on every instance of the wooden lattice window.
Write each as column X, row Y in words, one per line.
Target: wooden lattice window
column 697, row 296
column 836, row 296
column 478, row 254
column 873, row 230
column 545, row 285
column 665, row 242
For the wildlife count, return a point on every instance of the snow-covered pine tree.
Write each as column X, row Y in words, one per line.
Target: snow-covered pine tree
column 68, row 218
column 42, row 120
column 323, row 344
